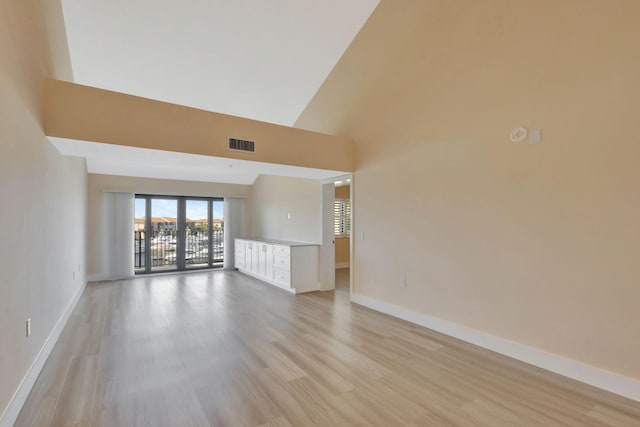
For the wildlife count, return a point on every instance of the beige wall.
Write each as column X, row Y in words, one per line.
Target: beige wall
column 98, row 184
column 274, row 197
column 538, row 244
column 86, row 113
column 342, row 252
column 43, row 214
column 343, row 249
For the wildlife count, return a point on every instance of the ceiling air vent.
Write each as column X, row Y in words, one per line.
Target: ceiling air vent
column 236, row 144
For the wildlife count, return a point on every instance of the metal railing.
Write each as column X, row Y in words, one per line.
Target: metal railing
column 163, row 249
column 138, row 250
column 197, row 248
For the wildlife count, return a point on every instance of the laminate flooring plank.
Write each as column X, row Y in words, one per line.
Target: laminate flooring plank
column 48, row 387
column 282, row 398
column 229, row 402
column 74, row 406
column 209, row 349
column 277, row 422
column 612, row 417
column 183, row 407
column 281, row 366
column 315, row 402
column 323, row 373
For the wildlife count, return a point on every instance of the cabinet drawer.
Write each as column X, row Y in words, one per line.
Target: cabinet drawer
column 281, row 277
column 281, row 261
column 284, row 250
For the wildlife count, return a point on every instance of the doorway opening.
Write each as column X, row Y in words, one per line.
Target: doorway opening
column 177, row 233
column 342, row 226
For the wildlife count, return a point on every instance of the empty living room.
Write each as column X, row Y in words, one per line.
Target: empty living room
column 319, row 213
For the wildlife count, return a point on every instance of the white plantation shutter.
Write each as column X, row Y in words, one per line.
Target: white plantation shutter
column 342, row 217
column 338, row 217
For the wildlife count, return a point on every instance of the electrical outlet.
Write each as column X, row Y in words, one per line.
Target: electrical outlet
column 403, row 282
column 74, row 275
column 28, row 326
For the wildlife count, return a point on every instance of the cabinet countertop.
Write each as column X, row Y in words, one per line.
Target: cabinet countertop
column 278, row 242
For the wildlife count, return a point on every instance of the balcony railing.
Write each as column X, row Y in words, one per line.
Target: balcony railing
column 163, row 250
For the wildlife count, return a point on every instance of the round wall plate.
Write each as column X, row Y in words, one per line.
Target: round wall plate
column 518, row 134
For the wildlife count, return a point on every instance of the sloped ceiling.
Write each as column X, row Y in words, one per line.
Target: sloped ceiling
column 257, row 59
column 248, row 58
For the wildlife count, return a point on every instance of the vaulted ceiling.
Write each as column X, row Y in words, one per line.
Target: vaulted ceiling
column 262, row 60
column 257, row 59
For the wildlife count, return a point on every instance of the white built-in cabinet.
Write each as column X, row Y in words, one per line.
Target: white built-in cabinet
column 289, row 265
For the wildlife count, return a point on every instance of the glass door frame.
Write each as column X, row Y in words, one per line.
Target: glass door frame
column 209, row 201
column 181, row 226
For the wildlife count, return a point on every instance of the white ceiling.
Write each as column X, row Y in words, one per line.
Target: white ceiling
column 258, row 59
column 112, row 159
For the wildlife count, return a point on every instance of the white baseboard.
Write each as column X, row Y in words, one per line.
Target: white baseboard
column 105, row 277
column 343, row 264
column 20, row 396
column 615, row 383
column 96, row 277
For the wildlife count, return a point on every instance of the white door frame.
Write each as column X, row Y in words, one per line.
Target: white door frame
column 327, row 247
column 351, row 238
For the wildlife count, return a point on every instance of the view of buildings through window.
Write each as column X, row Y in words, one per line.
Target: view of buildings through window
column 177, row 233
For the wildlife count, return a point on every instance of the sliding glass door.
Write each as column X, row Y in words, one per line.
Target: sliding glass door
column 164, row 234
column 197, row 232
column 178, row 233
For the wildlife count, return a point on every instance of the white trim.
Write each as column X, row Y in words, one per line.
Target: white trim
column 615, row 383
column 96, row 277
column 20, row 396
column 337, row 178
column 105, row 277
column 327, row 250
column 352, row 237
column 346, row 264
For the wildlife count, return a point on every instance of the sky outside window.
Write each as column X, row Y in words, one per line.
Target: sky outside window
column 168, row 208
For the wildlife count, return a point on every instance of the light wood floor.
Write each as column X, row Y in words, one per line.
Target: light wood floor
column 222, row 349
